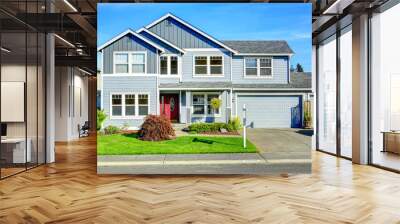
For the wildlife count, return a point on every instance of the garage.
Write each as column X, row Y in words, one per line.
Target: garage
column 271, row 111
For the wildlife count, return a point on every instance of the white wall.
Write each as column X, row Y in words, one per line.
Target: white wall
column 71, row 87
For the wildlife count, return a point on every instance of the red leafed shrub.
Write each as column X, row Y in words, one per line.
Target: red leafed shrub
column 156, row 128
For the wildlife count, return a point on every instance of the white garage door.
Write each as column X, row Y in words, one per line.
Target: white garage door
column 271, row 111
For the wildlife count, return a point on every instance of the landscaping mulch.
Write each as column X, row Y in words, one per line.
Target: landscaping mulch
column 129, row 132
column 218, row 133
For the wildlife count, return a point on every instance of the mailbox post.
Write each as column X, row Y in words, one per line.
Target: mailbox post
column 244, row 125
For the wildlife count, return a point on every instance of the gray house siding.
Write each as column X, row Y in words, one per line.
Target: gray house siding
column 187, row 67
column 169, row 80
column 129, row 85
column 168, row 49
column 130, row 43
column 183, row 108
column 180, row 35
column 280, row 71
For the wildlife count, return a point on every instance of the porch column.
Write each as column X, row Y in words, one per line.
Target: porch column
column 360, row 90
column 188, row 107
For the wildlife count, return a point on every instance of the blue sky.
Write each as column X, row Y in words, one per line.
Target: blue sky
column 223, row 21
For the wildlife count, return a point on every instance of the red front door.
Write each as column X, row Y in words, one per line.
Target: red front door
column 169, row 106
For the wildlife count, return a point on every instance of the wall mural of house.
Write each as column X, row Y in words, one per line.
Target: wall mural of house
column 170, row 67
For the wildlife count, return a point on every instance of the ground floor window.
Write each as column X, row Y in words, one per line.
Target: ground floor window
column 129, row 104
column 143, row 104
column 202, row 104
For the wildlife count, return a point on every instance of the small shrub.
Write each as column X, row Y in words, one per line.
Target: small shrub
column 230, row 127
column 156, row 128
column 235, row 124
column 207, row 127
column 111, row 129
column 101, row 117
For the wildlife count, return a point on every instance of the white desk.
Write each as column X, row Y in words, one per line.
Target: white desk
column 19, row 154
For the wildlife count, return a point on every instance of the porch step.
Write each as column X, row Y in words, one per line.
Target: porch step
column 179, row 126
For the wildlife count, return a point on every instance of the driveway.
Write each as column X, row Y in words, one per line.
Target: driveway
column 281, row 143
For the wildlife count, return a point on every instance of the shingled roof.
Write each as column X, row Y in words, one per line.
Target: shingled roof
column 298, row 80
column 260, row 46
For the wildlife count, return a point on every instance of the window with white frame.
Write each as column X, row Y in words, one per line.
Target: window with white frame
column 265, row 67
column 200, row 65
column 129, row 105
column 173, row 65
column 121, row 62
column 208, row 65
column 202, row 104
column 164, row 65
column 169, row 65
column 116, row 104
column 199, row 104
column 216, row 65
column 143, row 104
column 138, row 63
column 251, row 66
column 258, row 67
column 130, row 62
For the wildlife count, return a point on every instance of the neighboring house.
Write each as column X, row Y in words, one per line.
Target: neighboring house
column 170, row 67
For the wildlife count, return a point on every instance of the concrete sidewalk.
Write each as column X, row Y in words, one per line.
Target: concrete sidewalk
column 221, row 163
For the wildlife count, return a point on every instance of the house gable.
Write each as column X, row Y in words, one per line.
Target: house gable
column 130, row 43
column 169, row 47
column 184, row 35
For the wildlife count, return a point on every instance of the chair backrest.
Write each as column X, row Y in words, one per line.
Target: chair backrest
column 86, row 125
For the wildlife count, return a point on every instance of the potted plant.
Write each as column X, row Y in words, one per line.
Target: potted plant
column 215, row 104
column 307, row 119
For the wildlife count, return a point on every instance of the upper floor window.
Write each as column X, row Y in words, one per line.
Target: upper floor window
column 130, row 62
column 258, row 67
column 129, row 105
column 121, row 62
column 208, row 66
column 169, row 65
column 138, row 63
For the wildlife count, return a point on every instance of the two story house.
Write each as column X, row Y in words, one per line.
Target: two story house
column 171, row 67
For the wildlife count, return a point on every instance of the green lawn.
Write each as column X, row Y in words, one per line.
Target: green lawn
column 121, row 144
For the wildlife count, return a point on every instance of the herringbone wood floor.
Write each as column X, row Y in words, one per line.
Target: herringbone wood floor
column 70, row 191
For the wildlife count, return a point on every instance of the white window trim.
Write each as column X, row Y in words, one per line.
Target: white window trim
column 258, row 68
column 168, row 75
column 208, row 75
column 130, row 61
column 123, row 116
column 205, row 104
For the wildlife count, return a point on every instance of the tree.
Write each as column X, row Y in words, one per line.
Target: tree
column 299, row 68
column 101, row 117
column 292, row 68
